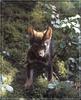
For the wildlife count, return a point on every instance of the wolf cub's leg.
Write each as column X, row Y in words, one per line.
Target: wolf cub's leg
column 29, row 79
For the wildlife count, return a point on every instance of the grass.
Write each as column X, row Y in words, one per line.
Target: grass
column 15, row 76
column 8, row 71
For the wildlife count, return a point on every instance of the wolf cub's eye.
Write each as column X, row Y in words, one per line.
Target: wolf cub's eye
column 45, row 44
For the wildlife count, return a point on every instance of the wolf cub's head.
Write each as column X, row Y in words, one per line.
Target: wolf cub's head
column 40, row 41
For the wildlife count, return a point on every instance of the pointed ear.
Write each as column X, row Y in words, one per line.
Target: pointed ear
column 48, row 33
column 29, row 31
column 32, row 33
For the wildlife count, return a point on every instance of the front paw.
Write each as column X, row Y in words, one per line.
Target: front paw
column 28, row 84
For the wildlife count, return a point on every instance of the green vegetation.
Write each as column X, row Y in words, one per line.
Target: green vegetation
column 16, row 17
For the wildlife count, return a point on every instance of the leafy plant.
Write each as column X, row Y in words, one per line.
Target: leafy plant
column 4, row 86
column 71, row 23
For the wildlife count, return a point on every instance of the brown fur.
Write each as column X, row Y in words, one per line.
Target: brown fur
column 34, row 52
column 36, row 34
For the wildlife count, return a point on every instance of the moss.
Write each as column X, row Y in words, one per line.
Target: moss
column 61, row 69
column 8, row 71
column 42, row 82
column 6, row 67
